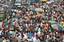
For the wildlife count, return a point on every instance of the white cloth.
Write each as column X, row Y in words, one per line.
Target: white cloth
column 25, row 36
column 35, row 40
column 38, row 9
column 4, row 41
column 19, row 38
column 0, row 32
column 0, row 24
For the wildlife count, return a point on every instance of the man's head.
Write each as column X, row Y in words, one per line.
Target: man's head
column 25, row 40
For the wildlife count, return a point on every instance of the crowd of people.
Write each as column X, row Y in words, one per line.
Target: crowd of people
column 37, row 22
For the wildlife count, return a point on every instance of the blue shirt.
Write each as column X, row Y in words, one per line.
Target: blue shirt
column 30, row 34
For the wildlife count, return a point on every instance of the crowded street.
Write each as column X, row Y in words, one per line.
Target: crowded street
column 31, row 20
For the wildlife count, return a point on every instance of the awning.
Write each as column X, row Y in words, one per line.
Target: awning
column 43, row 0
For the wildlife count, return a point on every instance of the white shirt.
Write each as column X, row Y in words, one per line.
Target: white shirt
column 35, row 40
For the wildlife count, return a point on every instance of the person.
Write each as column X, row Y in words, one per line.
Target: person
column 18, row 36
column 5, row 39
column 35, row 39
column 1, row 33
